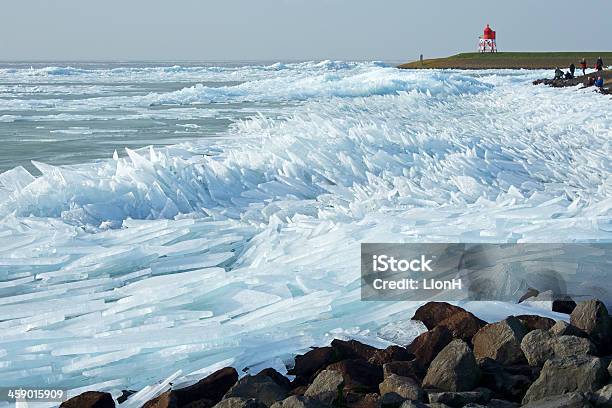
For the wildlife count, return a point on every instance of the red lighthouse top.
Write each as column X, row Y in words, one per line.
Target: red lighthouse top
column 489, row 34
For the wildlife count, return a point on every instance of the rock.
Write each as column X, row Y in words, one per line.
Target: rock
column 308, row 364
column 390, row 354
column 359, row 375
column 453, row 369
column 211, row 388
column 236, row 402
column 164, row 400
column 90, row 399
column 414, row 404
column 610, row 369
column 498, row 403
column 356, row 400
column 432, row 313
column 406, row 387
column 562, row 328
column 533, row 322
column 326, row 387
column 125, row 394
column 603, row 397
column 391, row 400
column 501, row 341
column 565, row 305
column 298, row 402
column 509, row 382
column 411, row 369
column 352, row 349
column 592, row 318
column 537, row 347
column 569, row 400
column 461, row 323
column 276, row 377
column 427, row 345
column 260, row 387
column 567, row 374
column 460, row 399
column 567, row 346
column 530, row 293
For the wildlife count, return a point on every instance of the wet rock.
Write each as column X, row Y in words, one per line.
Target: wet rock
column 509, row 382
column 90, row 399
column 568, row 374
column 533, row 322
column 405, row 387
column 326, row 387
column 537, row 347
column 564, row 305
column 567, row 346
column 390, row 354
column 460, row 399
column 352, row 349
column 568, row 400
column 453, row 369
column 359, row 375
column 405, row 369
column 427, row 345
column 501, row 341
column 308, row 364
column 562, row 328
column 592, row 318
column 260, row 387
column 236, row 402
column 603, row 397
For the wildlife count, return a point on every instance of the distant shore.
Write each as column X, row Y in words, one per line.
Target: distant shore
column 510, row 60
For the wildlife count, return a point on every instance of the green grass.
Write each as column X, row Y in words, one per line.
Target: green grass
column 511, row 60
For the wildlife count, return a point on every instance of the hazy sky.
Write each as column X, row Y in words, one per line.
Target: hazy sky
column 292, row 29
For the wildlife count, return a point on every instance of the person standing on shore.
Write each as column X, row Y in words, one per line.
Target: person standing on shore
column 583, row 66
column 599, row 83
column 572, row 69
column 599, row 64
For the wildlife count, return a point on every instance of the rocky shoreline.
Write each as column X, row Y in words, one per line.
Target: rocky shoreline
column 461, row 361
column 580, row 80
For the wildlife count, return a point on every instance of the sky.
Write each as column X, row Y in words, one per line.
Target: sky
column 285, row 30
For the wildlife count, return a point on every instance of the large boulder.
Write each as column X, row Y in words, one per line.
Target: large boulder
column 207, row 392
column 359, row 375
column 298, row 402
column 561, row 328
column 537, row 346
column 432, row 313
column 260, row 387
column 308, row 364
column 567, row 346
column 533, row 322
column 568, row 400
column 326, row 387
column 501, row 341
column 404, row 387
column 390, row 354
column 90, row 399
column 351, row 349
column 411, row 369
column 592, row 318
column 427, row 345
column 453, row 369
column 461, row 399
column 461, row 323
column 567, row 374
column 235, row 402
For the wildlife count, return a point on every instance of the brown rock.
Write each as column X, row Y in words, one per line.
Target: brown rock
column 352, row 349
column 404, row 387
column 567, row 346
column 326, row 387
column 259, row 387
column 405, row 369
column 463, row 325
column 562, row 328
column 537, row 347
column 533, row 322
column 501, row 341
column 359, row 375
column 432, row 313
column 592, row 318
column 276, row 377
column 165, row 400
column 453, row 369
column 356, row 400
column 90, row 399
column 427, row 345
column 211, row 388
column 308, row 364
column 390, row 354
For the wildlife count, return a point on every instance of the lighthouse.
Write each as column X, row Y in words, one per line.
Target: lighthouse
column 487, row 42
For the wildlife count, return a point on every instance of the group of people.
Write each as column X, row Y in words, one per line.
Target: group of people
column 599, row 82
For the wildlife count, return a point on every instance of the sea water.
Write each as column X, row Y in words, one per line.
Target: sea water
column 158, row 222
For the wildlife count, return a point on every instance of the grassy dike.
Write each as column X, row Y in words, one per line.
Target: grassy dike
column 511, row 60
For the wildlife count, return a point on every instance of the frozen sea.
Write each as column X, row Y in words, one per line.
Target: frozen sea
column 158, row 222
